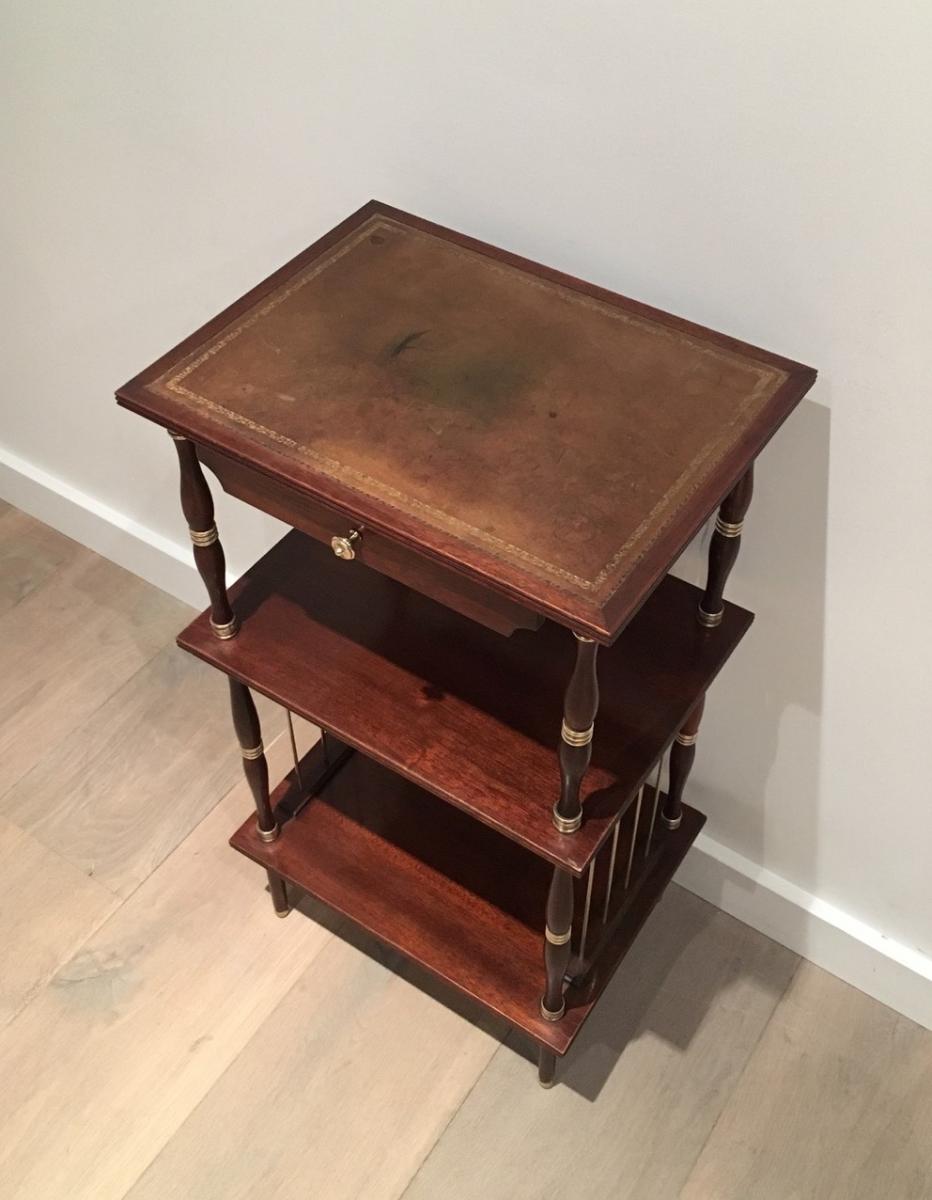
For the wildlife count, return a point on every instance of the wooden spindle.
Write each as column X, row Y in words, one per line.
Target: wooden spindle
column 294, row 750
column 256, row 770
column 557, row 936
column 655, row 803
column 682, row 757
column 613, row 858
column 634, row 839
column 580, row 704
column 587, row 907
column 724, row 547
column 198, row 508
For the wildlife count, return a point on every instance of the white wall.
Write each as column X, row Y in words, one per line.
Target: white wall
column 760, row 167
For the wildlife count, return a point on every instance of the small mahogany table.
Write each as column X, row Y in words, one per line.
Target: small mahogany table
column 489, row 467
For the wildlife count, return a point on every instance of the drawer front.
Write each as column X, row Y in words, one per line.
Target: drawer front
column 375, row 550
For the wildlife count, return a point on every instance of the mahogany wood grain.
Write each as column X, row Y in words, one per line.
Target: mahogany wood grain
column 466, row 714
column 446, row 891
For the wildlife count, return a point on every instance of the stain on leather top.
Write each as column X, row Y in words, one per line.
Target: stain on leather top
column 544, row 426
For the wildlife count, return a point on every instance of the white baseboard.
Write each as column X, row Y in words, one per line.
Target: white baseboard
column 831, row 938
column 892, row 973
column 157, row 559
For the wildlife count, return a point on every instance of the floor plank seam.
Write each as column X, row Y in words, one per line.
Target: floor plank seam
column 174, row 850
column 439, row 1138
column 88, row 719
column 734, row 1087
column 233, row 1061
column 121, row 900
column 76, row 866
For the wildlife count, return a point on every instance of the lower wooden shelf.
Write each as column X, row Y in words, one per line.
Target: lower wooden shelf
column 446, row 891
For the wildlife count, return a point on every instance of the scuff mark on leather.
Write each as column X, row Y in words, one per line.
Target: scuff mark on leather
column 407, row 342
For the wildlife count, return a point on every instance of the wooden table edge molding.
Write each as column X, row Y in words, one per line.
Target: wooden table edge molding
column 602, row 621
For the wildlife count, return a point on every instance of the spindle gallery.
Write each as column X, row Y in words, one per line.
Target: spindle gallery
column 489, row 469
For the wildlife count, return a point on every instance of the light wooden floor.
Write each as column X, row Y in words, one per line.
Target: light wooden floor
column 163, row 1035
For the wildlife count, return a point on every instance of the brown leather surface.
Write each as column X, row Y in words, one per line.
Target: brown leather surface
column 546, row 427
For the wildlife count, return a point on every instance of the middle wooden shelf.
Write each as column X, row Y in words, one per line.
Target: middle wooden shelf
column 459, row 710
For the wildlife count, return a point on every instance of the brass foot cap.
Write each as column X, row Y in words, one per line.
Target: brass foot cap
column 282, row 912
column 546, row 1083
column 268, row 835
column 709, row 620
column 672, row 822
column 229, row 630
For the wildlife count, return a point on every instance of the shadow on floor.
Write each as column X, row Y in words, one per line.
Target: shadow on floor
column 639, row 1001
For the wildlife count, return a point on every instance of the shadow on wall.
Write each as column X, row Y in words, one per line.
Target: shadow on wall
column 758, row 767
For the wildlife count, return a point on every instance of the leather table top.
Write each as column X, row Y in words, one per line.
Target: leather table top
column 553, row 439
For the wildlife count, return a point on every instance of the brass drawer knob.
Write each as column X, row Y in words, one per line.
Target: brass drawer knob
column 343, row 546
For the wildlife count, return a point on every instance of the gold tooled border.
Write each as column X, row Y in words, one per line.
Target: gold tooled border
column 769, row 379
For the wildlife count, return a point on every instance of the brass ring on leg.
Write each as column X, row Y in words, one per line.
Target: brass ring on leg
column 204, row 537
column 552, row 1016
column 228, row 630
column 728, row 529
column 576, row 737
column 672, row 822
column 709, row 620
column 268, row 835
column 566, row 824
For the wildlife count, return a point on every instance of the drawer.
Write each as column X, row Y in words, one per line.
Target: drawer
column 454, row 591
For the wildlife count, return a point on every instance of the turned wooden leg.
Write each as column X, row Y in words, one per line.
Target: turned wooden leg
column 279, row 894
column 723, row 549
column 546, row 1067
column 682, row 757
column 256, row 770
column 557, row 947
column 198, row 508
column 579, row 708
